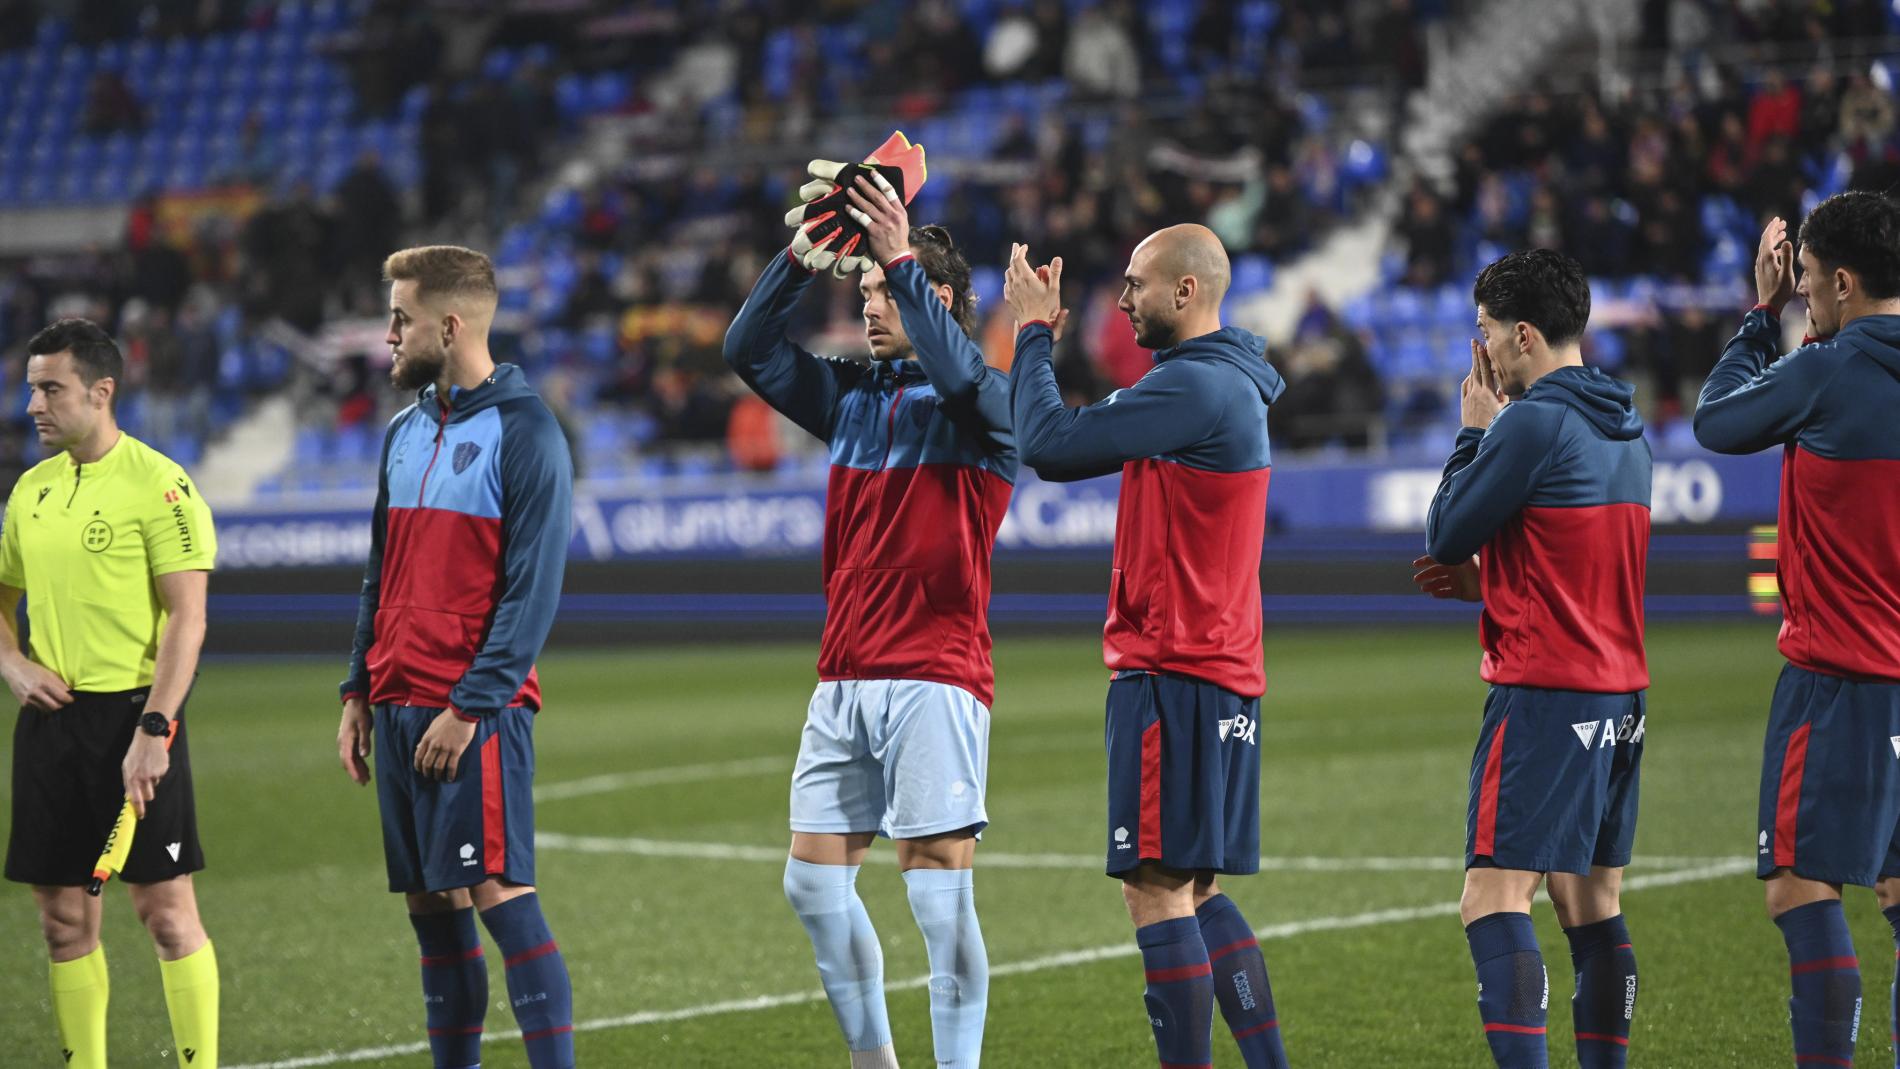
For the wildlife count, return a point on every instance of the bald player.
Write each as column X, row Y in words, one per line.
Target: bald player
column 467, row 546
column 1183, row 634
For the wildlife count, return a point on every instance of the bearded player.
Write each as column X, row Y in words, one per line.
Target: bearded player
column 467, row 546
column 896, row 739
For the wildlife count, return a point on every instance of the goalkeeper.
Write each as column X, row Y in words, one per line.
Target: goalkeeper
column 896, row 739
column 109, row 543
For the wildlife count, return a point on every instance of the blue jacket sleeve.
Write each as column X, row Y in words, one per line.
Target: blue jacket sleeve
column 537, row 523
column 1489, row 477
column 1752, row 400
column 804, row 387
column 975, row 395
column 356, row 685
column 1169, row 409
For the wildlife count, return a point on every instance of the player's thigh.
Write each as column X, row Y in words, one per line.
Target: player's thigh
column 837, row 786
column 932, row 743
column 1616, row 829
column 1540, row 778
column 1830, row 789
column 950, row 850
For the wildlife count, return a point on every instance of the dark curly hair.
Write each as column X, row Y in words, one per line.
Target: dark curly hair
column 95, row 355
column 944, row 265
column 1858, row 230
column 1541, row 287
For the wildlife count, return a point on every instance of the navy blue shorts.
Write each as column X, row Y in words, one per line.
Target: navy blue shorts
column 477, row 826
column 1554, row 780
column 1830, row 780
column 1183, row 775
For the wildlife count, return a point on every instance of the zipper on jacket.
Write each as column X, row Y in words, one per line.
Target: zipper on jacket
column 890, row 428
column 440, row 427
column 78, row 470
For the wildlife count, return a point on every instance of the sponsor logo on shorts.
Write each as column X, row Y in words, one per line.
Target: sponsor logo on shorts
column 1587, row 733
column 1240, row 729
column 468, row 855
column 1763, row 843
column 1631, row 728
column 1895, row 739
column 172, row 849
column 1121, row 838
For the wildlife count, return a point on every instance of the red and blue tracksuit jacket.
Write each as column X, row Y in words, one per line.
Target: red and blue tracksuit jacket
column 1554, row 499
column 1834, row 406
column 922, row 466
column 1190, row 439
column 474, row 512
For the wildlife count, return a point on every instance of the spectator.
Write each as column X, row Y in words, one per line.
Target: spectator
column 111, row 107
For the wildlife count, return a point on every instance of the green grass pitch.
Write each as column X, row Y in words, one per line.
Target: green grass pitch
column 650, row 753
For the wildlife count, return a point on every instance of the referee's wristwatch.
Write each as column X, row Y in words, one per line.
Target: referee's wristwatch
column 156, row 724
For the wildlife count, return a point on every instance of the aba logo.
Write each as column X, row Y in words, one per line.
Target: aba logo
column 97, row 536
column 1240, row 729
column 465, row 454
column 468, row 854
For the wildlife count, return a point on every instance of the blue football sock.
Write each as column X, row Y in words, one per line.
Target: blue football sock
column 944, row 903
column 1240, row 983
column 1180, row 993
column 537, row 981
column 1605, row 999
column 850, row 961
column 1825, row 974
column 454, row 985
column 1513, row 992
column 1892, row 913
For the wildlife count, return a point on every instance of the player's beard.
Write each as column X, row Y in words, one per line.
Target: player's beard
column 413, row 371
column 1155, row 334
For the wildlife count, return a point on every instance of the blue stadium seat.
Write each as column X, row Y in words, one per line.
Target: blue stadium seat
column 1252, row 274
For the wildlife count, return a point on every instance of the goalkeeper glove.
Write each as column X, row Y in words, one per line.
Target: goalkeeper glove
column 826, row 237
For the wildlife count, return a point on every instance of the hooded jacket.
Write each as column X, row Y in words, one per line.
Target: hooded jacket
column 1834, row 405
column 1190, row 439
column 1553, row 497
column 922, row 466
column 468, row 543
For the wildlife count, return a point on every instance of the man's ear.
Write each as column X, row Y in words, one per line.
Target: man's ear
column 103, row 390
column 1527, row 336
column 1184, row 291
column 452, row 325
column 1844, row 283
column 947, row 294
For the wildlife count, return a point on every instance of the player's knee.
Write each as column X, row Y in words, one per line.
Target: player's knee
column 808, row 889
column 1887, row 892
column 174, row 927
column 68, row 931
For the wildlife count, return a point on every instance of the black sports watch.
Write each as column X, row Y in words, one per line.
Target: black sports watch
column 156, row 724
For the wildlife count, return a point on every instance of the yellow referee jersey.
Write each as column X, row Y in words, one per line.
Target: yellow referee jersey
column 87, row 543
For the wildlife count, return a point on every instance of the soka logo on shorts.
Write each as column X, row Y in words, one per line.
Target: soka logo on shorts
column 1241, row 729
column 468, row 854
column 1121, row 838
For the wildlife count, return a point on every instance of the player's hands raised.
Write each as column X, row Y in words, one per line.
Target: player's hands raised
column 1774, row 266
column 1461, row 581
column 876, row 207
column 1034, row 293
column 352, row 739
column 146, row 762
column 439, row 754
column 36, row 686
column 1480, row 400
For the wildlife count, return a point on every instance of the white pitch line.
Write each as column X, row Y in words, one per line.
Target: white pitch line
column 661, row 777
column 673, row 848
column 1065, row 959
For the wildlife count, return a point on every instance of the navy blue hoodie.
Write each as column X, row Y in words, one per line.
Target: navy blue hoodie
column 1190, row 439
column 1553, row 497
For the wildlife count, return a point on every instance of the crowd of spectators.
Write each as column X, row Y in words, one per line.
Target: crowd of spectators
column 1761, row 108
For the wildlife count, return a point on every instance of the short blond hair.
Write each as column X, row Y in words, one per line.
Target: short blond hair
column 444, row 271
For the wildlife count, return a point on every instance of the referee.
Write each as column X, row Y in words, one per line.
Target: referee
column 110, row 544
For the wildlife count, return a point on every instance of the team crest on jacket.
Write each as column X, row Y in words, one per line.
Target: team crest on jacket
column 465, row 454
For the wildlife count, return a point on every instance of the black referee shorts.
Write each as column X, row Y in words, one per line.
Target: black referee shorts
column 68, row 789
